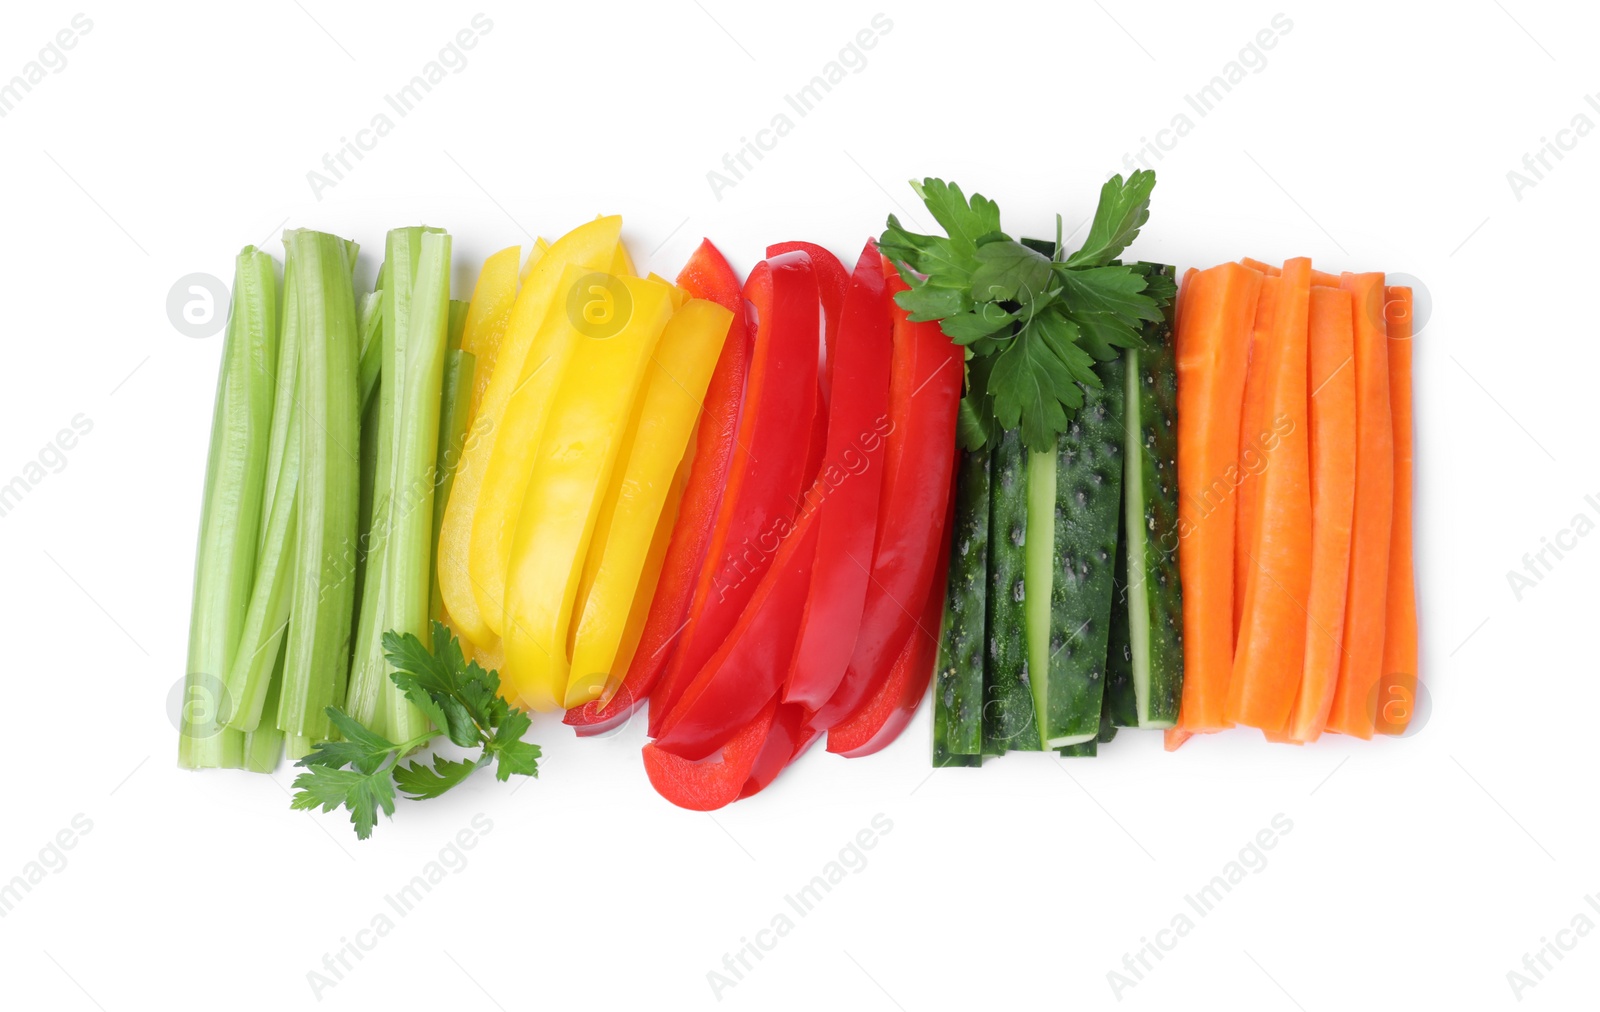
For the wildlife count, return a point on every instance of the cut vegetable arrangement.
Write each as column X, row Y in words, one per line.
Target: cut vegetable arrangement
column 1067, row 492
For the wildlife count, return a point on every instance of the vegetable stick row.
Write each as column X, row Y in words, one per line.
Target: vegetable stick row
column 1295, row 485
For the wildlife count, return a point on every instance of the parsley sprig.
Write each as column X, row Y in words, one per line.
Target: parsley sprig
column 462, row 701
column 1033, row 321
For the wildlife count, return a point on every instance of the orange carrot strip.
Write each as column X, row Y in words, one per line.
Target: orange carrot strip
column 1259, row 265
column 1272, row 633
column 1398, row 681
column 1331, row 380
column 1216, row 310
column 1251, row 434
column 1355, row 700
column 1324, row 279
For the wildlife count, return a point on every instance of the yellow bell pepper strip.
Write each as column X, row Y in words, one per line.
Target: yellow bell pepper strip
column 572, row 470
column 488, row 314
column 588, row 243
column 622, row 263
column 654, row 562
column 540, row 248
column 675, row 385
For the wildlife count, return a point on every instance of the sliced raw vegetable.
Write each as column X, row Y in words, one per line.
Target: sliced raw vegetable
column 1355, row 700
column 578, row 447
column 1215, row 314
column 1008, row 721
column 230, row 517
column 1332, row 407
column 1151, row 599
column 958, row 688
column 1254, row 429
column 323, row 589
column 1397, row 695
column 1073, row 504
column 787, row 740
column 711, row 783
column 848, row 485
column 455, row 406
column 1270, row 655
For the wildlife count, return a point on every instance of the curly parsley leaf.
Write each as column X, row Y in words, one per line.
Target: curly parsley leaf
column 461, row 698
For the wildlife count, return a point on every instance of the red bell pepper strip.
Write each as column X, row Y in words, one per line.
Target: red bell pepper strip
column 705, row 786
column 706, row 276
column 847, row 490
column 790, row 736
column 924, row 393
column 749, row 667
column 764, row 479
column 887, row 711
column 832, row 281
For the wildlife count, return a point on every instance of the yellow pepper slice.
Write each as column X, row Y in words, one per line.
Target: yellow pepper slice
column 540, row 248
column 579, row 448
column 591, row 245
column 675, row 387
column 487, row 316
column 622, row 264
column 650, row 576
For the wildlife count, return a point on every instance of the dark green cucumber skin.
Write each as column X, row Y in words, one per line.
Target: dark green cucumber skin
column 1089, row 465
column 1008, row 701
column 1158, row 397
column 958, row 681
column 1120, row 705
column 1083, row 750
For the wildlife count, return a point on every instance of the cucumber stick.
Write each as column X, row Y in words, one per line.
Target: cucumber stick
column 1073, row 499
column 1008, row 721
column 1150, row 523
column 958, row 682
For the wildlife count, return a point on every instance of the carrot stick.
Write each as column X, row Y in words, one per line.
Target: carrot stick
column 1397, row 695
column 1331, row 381
column 1272, row 633
column 1260, row 265
column 1216, row 310
column 1251, row 434
column 1324, row 279
column 1355, row 700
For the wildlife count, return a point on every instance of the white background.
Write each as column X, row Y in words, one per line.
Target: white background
column 1376, row 136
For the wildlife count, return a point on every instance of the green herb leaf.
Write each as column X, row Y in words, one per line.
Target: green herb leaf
column 965, row 221
column 1124, row 208
column 421, row 782
column 361, row 748
column 362, row 793
column 1009, row 272
column 513, row 755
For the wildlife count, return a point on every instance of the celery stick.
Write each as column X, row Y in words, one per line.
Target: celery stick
column 458, row 323
column 251, row 671
column 323, row 589
column 419, row 354
column 455, row 405
column 230, row 517
column 369, row 323
column 263, row 746
column 397, row 487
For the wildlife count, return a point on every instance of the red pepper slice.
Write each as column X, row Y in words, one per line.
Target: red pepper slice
column 924, row 393
column 847, row 490
column 750, row 666
column 887, row 711
column 705, row 786
column 764, row 480
column 832, row 281
column 790, row 736
column 706, row 276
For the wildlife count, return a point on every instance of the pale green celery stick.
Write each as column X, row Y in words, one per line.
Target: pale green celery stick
column 415, row 279
column 324, row 586
column 455, row 405
column 457, row 326
column 251, row 671
column 263, row 747
column 297, row 746
column 230, row 516
column 422, row 333
column 369, row 322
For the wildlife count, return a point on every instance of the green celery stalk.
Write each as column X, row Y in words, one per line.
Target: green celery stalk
column 230, row 518
column 415, row 276
column 419, row 354
column 455, row 406
column 369, row 323
column 318, row 656
column 251, row 672
column 263, row 746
